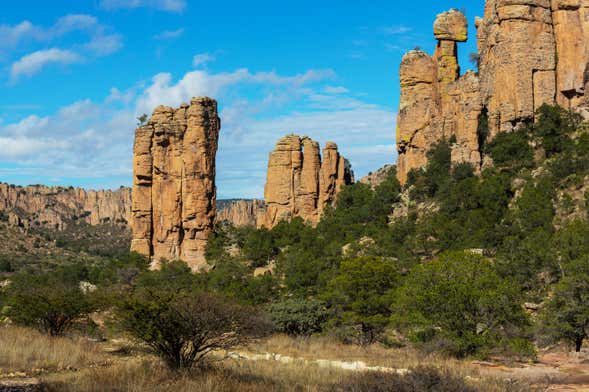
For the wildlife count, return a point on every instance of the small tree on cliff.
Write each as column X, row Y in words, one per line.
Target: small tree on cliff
column 142, row 120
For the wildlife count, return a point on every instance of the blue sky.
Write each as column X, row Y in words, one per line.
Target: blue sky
column 74, row 75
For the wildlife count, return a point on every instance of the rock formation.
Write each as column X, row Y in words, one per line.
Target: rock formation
column 531, row 52
column 57, row 207
column 298, row 183
column 174, row 190
column 241, row 212
column 377, row 177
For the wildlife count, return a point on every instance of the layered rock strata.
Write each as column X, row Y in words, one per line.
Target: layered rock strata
column 57, row 207
column 174, row 192
column 530, row 52
column 241, row 212
column 300, row 183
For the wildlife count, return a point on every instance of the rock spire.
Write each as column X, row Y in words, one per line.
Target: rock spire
column 174, row 192
column 299, row 183
column 530, row 52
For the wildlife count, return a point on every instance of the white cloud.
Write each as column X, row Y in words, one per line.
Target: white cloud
column 21, row 147
column 163, row 91
column 12, row 35
column 103, row 45
column 101, row 41
column 93, row 140
column 32, row 63
column 335, row 90
column 169, row 34
column 395, row 30
column 202, row 59
column 73, row 22
column 163, row 5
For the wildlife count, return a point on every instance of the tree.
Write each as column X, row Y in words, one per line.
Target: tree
column 142, row 120
column 182, row 323
column 565, row 316
column 259, row 247
column 553, row 126
column 51, row 302
column 360, row 294
column 459, row 302
column 511, row 150
column 298, row 316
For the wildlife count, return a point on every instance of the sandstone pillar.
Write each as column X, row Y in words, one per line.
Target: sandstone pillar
column 174, row 190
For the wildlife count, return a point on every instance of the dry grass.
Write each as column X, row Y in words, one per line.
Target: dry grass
column 78, row 365
column 28, row 351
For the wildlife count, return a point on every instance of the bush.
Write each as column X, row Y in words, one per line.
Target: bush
column 422, row 379
column 565, row 316
column 51, row 302
column 181, row 323
column 360, row 295
column 459, row 303
column 511, row 150
column 298, row 317
column 553, row 126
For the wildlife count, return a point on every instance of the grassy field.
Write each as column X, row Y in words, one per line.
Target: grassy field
column 78, row 364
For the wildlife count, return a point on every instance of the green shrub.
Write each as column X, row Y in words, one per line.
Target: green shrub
column 360, row 295
column 553, row 126
column 460, row 303
column 51, row 302
column 298, row 317
column 565, row 316
column 181, row 323
column 511, row 150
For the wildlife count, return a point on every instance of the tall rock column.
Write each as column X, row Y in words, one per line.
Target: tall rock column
column 334, row 174
column 174, row 190
column 417, row 109
column 436, row 102
column 283, row 177
column 517, row 51
column 298, row 183
column 449, row 28
column 307, row 194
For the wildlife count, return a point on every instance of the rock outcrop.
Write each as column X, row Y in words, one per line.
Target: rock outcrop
column 174, row 192
column 531, row 52
column 299, row 183
column 377, row 177
column 435, row 101
column 57, row 207
column 241, row 212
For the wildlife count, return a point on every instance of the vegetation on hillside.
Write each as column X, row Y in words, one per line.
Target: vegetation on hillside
column 451, row 263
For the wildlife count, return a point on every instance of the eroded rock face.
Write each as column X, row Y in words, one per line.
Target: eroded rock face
column 436, row 102
column 531, row 52
column 241, row 212
column 299, row 183
column 451, row 26
column 517, row 49
column 56, row 207
column 174, row 190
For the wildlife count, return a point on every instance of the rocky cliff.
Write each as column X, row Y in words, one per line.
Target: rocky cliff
column 377, row 177
column 56, row 207
column 300, row 183
column 241, row 212
column 531, row 52
column 174, row 192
